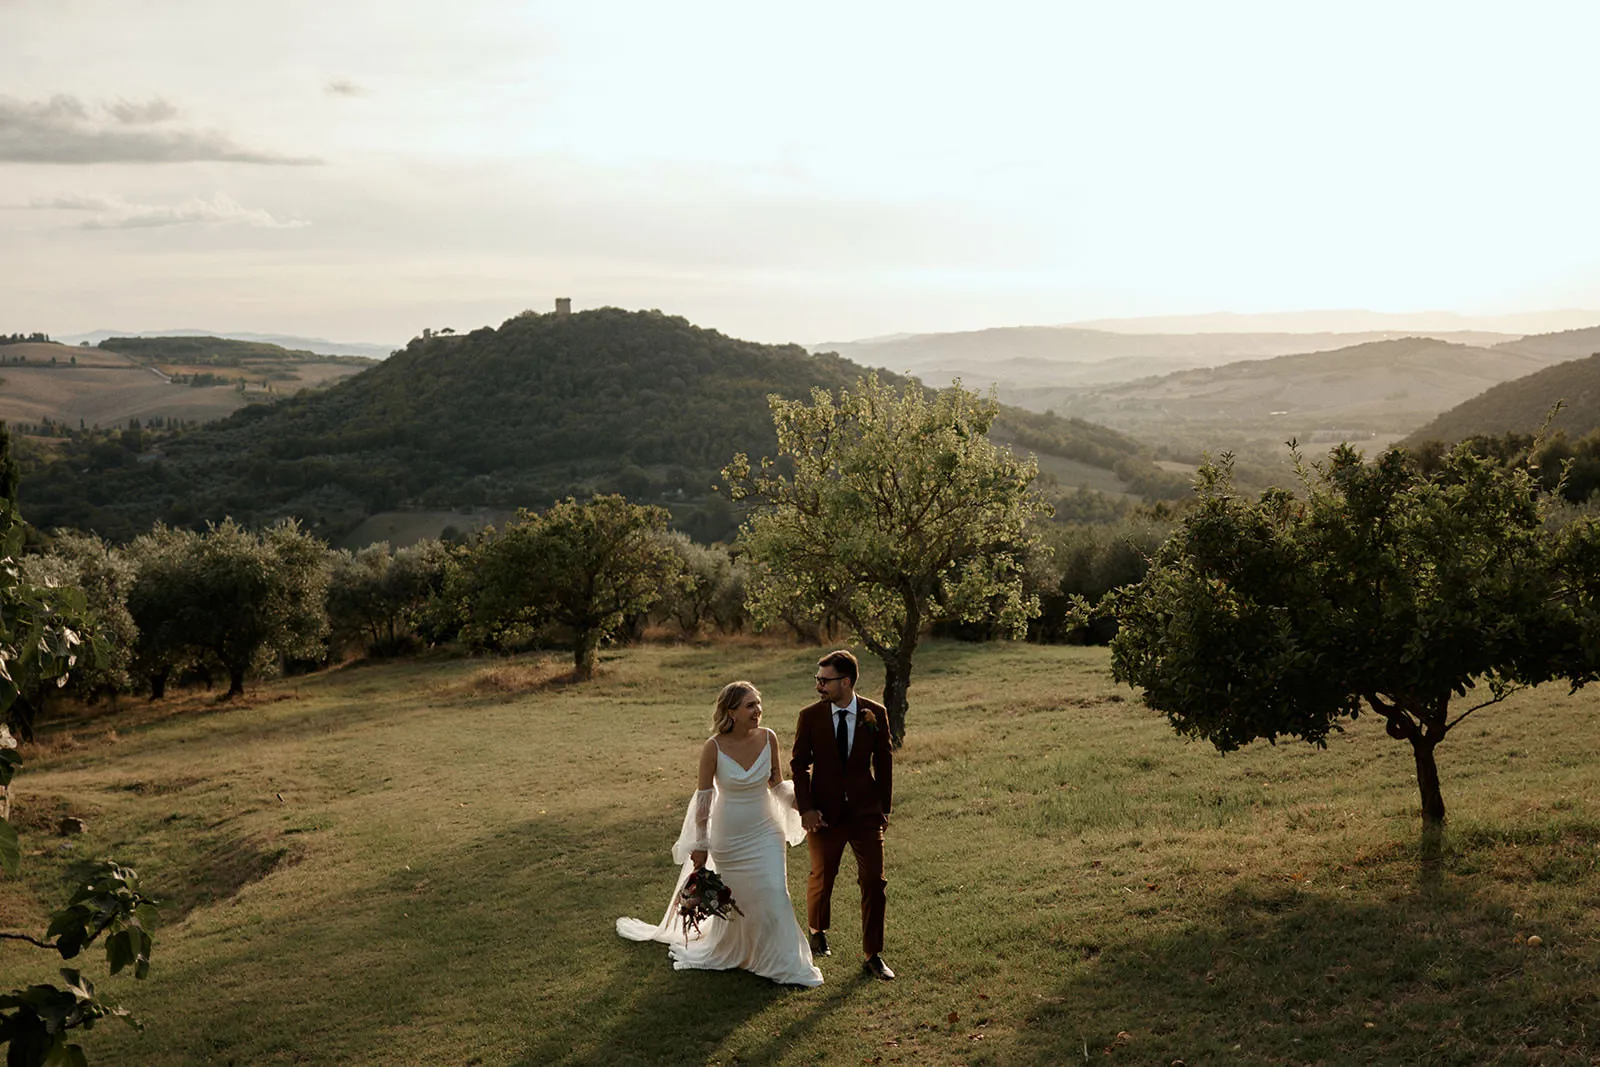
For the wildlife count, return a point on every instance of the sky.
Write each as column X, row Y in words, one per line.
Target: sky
column 359, row 170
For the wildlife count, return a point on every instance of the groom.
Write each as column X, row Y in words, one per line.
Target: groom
column 843, row 773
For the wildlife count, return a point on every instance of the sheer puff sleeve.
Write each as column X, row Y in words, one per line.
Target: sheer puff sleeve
column 696, row 833
column 787, row 812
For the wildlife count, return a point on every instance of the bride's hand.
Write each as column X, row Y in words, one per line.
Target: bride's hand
column 698, row 857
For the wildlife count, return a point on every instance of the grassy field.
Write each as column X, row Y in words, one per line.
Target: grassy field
column 421, row 863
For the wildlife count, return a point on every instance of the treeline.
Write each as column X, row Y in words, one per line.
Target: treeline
column 215, row 351
column 228, row 603
column 24, row 338
column 1561, row 464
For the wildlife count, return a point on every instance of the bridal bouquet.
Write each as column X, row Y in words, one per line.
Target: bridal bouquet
column 704, row 896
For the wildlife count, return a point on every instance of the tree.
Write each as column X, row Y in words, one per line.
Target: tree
column 378, row 598
column 1384, row 589
column 158, row 602
column 896, row 510
column 585, row 567
column 238, row 599
column 708, row 574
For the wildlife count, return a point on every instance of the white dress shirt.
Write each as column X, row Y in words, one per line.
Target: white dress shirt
column 849, row 721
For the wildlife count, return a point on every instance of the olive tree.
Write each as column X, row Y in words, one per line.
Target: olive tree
column 228, row 596
column 888, row 508
column 377, row 597
column 1381, row 589
column 582, row 567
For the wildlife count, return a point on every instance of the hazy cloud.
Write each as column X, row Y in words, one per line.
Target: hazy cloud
column 114, row 213
column 63, row 129
column 343, row 87
column 134, row 114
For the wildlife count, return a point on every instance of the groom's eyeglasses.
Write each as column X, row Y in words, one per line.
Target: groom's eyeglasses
column 823, row 680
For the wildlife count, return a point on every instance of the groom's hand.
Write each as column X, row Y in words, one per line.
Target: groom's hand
column 812, row 821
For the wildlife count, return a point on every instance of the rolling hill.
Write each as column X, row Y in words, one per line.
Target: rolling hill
column 540, row 408
column 1568, row 344
column 1520, row 406
column 1378, row 388
column 1022, row 358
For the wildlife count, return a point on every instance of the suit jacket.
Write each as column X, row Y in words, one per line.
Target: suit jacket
column 863, row 787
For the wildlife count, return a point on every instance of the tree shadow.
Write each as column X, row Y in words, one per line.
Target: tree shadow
column 1282, row 974
column 505, row 946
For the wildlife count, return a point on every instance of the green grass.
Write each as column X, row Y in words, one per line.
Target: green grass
column 1069, row 881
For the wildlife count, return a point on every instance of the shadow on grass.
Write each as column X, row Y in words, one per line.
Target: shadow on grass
column 1282, row 974
column 501, row 951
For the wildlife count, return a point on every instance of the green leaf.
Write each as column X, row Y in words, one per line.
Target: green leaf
column 119, row 950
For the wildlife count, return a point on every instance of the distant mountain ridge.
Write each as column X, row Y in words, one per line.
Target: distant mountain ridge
column 1022, row 357
column 1353, row 320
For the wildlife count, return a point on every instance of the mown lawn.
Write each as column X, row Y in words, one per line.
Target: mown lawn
column 421, row 863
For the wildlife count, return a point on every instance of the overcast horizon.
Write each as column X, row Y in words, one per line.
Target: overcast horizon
column 359, row 173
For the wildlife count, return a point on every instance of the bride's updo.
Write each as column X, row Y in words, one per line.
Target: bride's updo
column 733, row 694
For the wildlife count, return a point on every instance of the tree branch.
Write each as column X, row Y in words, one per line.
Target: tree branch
column 24, row 937
column 1493, row 700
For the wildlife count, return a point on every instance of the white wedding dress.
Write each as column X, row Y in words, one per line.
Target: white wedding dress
column 746, row 825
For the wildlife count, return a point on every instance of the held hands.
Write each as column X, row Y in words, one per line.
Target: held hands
column 812, row 821
column 698, row 858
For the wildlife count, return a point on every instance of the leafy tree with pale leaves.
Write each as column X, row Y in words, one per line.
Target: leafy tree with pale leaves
column 104, row 574
column 709, row 585
column 584, row 568
column 889, row 509
column 1384, row 589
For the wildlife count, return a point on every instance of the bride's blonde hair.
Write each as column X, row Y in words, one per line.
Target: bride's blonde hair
column 732, row 696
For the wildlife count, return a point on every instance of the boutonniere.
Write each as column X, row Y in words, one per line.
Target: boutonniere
column 869, row 723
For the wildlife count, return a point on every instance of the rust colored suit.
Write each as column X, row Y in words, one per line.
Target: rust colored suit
column 854, row 798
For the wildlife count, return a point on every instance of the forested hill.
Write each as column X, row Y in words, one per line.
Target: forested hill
column 1520, row 405
column 545, row 406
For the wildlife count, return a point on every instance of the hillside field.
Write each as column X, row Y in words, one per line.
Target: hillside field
column 421, row 863
column 108, row 388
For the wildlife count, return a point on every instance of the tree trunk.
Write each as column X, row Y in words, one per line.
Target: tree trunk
column 585, row 651
column 158, row 684
column 235, row 681
column 1428, row 781
column 896, row 684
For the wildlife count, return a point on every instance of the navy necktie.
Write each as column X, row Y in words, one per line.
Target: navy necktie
column 843, row 737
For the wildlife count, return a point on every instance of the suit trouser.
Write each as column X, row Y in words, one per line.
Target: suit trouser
column 865, row 838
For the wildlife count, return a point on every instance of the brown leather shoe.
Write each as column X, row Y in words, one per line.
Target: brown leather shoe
column 875, row 966
column 819, row 943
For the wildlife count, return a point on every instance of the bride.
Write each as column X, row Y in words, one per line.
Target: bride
column 737, row 824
